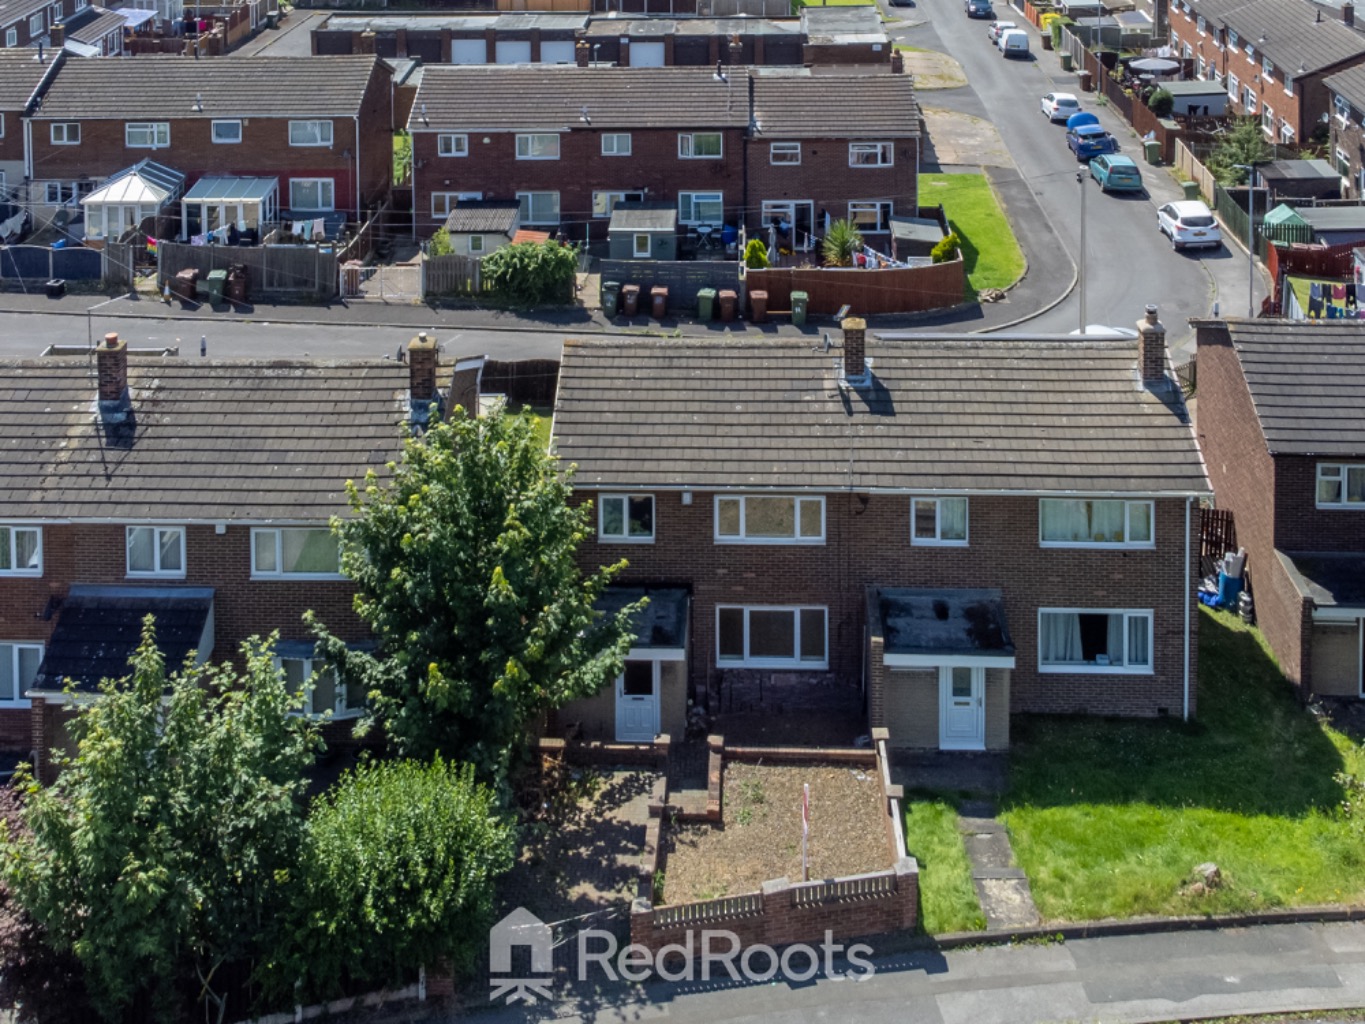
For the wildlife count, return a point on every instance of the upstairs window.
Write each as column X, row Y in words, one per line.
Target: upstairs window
column 870, row 154
column 1341, row 485
column 147, row 134
column 448, row 144
column 537, row 147
column 700, row 146
column 616, row 144
column 309, row 553
column 227, row 132
column 626, row 518
column 156, row 551
column 65, row 133
column 310, row 133
column 938, row 521
column 1083, row 523
column 770, row 519
column 784, row 153
column 21, row 550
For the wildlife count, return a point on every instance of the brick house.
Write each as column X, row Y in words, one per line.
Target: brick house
column 1347, row 152
column 22, row 81
column 724, row 147
column 197, row 491
column 929, row 532
column 1272, row 56
column 321, row 126
column 29, row 23
column 1282, row 426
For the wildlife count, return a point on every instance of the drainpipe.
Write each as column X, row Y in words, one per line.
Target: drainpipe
column 357, row 137
column 1185, row 582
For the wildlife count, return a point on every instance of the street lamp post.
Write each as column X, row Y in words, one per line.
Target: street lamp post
column 1080, row 256
column 1251, row 238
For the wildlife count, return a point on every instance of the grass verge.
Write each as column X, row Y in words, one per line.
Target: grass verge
column 947, row 897
column 1109, row 817
column 992, row 255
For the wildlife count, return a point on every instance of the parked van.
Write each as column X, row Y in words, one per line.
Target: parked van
column 1014, row 43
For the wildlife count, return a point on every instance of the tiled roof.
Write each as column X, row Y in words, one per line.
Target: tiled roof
column 20, row 75
column 250, row 440
column 1307, row 382
column 472, row 215
column 1294, row 34
column 945, row 414
column 96, row 28
column 239, row 87
column 1349, row 83
column 836, row 106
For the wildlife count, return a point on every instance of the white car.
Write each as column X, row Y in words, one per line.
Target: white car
column 997, row 29
column 1058, row 106
column 1188, row 224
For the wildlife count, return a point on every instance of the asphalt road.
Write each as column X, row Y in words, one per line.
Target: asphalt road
column 1127, row 263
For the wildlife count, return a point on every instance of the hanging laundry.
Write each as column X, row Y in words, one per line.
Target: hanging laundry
column 319, row 230
column 1338, row 293
column 1315, row 290
column 1351, row 297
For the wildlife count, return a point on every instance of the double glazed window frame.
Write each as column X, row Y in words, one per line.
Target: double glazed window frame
column 924, row 502
column 325, row 204
column 616, row 144
column 1093, row 668
column 13, row 651
column 530, row 216
column 750, row 660
column 452, row 144
column 537, row 146
column 147, row 134
column 160, row 534
column 9, row 550
column 1126, row 543
column 342, row 707
column 871, row 154
column 64, row 133
column 784, row 153
column 743, row 535
column 1342, row 474
column 261, row 538
column 624, row 504
column 230, row 137
column 689, row 201
column 317, row 134
column 701, row 145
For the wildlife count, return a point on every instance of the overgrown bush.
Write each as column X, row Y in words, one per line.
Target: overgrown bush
column 947, row 249
column 532, row 273
column 1161, row 103
column 756, row 254
column 842, row 240
column 440, row 243
column 1245, row 145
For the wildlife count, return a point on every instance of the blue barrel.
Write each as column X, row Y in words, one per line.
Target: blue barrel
column 1228, row 589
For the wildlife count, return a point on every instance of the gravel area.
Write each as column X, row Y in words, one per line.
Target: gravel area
column 760, row 834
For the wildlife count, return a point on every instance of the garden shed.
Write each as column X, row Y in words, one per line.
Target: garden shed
column 643, row 231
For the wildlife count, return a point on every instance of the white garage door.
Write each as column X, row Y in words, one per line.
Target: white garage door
column 512, row 51
column 560, row 52
column 468, row 51
column 646, row 55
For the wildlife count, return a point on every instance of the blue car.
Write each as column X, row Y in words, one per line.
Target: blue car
column 1090, row 140
column 1116, row 173
column 1079, row 118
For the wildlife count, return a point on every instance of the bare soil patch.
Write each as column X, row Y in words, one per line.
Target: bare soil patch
column 760, row 834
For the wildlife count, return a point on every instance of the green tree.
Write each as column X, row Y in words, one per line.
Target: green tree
column 399, row 870
column 164, row 848
column 465, row 567
column 756, row 254
column 1243, row 144
column 440, row 244
column 1161, row 102
column 842, row 240
column 532, row 273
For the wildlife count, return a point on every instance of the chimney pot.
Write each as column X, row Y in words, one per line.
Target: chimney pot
column 1152, row 348
column 855, row 346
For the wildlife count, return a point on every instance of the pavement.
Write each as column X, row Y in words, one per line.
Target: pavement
column 1287, row 968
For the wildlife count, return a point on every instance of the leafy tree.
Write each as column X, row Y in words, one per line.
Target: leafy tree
column 756, row 254
column 947, row 248
column 532, row 273
column 1243, row 144
column 398, row 870
column 842, row 240
column 164, row 847
column 440, row 243
column 1161, row 102
column 465, row 567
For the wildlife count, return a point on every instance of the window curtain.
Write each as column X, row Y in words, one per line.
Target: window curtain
column 1139, row 650
column 1065, row 520
column 1106, row 521
column 1114, row 646
column 952, row 518
column 26, row 549
column 1061, row 638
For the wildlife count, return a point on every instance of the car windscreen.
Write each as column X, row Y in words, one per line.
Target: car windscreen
column 1197, row 221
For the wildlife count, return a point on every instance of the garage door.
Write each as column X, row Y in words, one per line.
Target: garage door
column 1336, row 658
column 560, row 52
column 468, row 51
column 646, row 55
column 513, row 51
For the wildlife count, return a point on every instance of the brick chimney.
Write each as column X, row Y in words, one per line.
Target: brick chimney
column 111, row 364
column 57, row 36
column 466, row 384
column 897, row 62
column 1151, row 348
column 582, row 53
column 1348, row 14
column 422, row 394
column 855, row 347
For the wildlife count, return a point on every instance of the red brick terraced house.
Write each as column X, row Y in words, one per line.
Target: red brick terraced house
column 197, row 491
column 1347, row 89
column 739, row 145
column 321, row 126
column 1271, row 55
column 23, row 77
column 1282, row 426
column 920, row 532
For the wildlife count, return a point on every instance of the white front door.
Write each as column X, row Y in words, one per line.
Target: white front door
column 637, row 702
column 962, row 708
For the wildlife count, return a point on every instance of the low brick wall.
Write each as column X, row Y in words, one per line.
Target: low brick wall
column 650, row 755
column 783, row 912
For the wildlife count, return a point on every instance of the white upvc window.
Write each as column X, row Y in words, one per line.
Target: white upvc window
column 156, row 551
column 11, row 37
column 616, row 144
column 1234, row 87
column 226, row 133
column 772, row 636
column 326, row 694
column 55, row 12
column 641, row 247
column 784, row 153
column 1288, row 85
column 310, row 133
column 1095, row 523
column 604, row 202
column 1341, row 485
column 1232, row 39
column 452, row 144
column 18, row 668
column 442, row 203
column 769, row 519
column 476, row 245
column 870, row 154
column 539, row 208
column 1249, row 100
column 1199, row 24
column 296, row 553
column 1267, row 69
column 626, row 518
column 312, row 194
column 1095, row 640
column 701, row 207
column 35, row 26
column 938, row 521
column 870, row 215
column 700, row 146
column 1341, row 106
column 65, row 133
column 1286, row 133
column 147, row 134
column 21, row 550
column 538, row 147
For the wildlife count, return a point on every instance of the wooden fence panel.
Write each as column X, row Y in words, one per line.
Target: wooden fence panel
column 866, row 292
column 528, row 381
column 291, row 270
column 452, row 274
column 1192, row 170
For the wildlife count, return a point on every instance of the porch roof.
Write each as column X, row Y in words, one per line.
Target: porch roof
column 661, row 624
column 146, row 182
column 232, row 190
column 1328, row 579
column 931, row 626
column 644, row 217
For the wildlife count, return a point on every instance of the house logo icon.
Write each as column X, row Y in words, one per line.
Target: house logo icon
column 520, row 928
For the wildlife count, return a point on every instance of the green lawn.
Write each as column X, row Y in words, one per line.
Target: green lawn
column 1108, row 817
column 992, row 255
column 543, row 416
column 946, row 895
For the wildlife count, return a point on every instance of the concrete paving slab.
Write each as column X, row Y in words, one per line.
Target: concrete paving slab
column 1163, row 948
column 1024, row 1004
column 1006, row 961
column 1007, row 902
column 989, row 850
column 1342, row 937
column 1183, row 987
